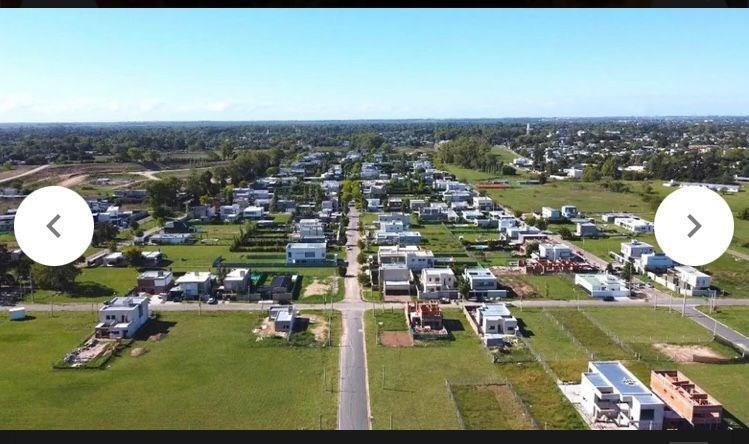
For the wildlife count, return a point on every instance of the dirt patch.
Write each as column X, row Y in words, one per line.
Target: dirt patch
column 519, row 286
column 319, row 327
column 396, row 339
column 688, row 353
column 72, row 180
column 319, row 288
column 138, row 351
column 157, row 337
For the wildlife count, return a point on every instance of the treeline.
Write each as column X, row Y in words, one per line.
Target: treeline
column 474, row 153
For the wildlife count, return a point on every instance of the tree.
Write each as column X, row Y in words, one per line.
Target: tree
column 744, row 214
column 227, row 151
column 627, row 271
column 591, row 174
column 104, row 233
column 60, row 278
column 133, row 255
column 565, row 233
column 464, row 287
column 531, row 248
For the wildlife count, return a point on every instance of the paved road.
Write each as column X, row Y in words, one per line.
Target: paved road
column 26, row 173
column 717, row 327
column 353, row 403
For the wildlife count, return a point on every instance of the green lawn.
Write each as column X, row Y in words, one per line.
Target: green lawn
column 92, row 285
column 208, row 373
column 490, row 407
column 588, row 197
column 413, row 391
column 735, row 317
column 552, row 286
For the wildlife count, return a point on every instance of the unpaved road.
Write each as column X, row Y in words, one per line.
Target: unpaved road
column 26, row 173
column 73, row 180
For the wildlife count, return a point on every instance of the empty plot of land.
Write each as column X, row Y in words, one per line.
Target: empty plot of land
column 490, row 406
column 207, row 373
column 407, row 384
column 396, row 339
column 683, row 353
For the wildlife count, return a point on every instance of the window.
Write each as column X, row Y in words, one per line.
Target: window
column 647, row 415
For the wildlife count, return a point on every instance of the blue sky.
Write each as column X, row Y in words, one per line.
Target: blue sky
column 122, row 65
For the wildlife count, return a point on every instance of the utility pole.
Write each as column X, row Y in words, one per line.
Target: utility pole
column 683, row 303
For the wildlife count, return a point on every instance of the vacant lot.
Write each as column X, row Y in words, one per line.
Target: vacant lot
column 734, row 317
column 92, row 285
column 490, row 407
column 413, row 390
column 558, row 287
column 208, row 372
column 588, row 197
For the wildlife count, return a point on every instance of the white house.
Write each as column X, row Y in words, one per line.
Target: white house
column 692, row 278
column 609, row 390
column 483, row 203
column 554, row 252
column 122, row 317
column 154, row 281
column 310, row 230
column 395, row 279
column 634, row 249
column 438, row 283
column 602, row 285
column 303, row 253
column 569, row 211
column 194, row 285
column 496, row 319
column 586, row 229
column 483, row 284
column 655, row 262
column 550, row 213
column 410, row 256
column 283, row 317
column 374, row 205
column 115, row 259
column 252, row 212
column 634, row 224
column 237, row 280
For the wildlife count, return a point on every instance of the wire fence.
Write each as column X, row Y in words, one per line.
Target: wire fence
column 449, row 385
column 569, row 334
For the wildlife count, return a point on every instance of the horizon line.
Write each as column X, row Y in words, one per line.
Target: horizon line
column 387, row 119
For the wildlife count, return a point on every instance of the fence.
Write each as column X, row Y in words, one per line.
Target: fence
column 569, row 334
column 516, row 398
column 624, row 345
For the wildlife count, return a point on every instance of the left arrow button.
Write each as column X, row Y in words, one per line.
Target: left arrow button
column 52, row 222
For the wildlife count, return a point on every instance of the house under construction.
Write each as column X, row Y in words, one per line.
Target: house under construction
column 686, row 399
column 425, row 317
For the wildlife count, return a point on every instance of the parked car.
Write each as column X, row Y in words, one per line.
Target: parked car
column 609, row 298
column 212, row 301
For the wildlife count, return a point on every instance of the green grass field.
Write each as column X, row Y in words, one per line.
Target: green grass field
column 490, row 407
column 208, row 373
column 736, row 317
column 413, row 391
column 552, row 286
column 93, row 285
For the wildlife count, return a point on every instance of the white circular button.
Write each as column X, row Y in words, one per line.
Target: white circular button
column 54, row 226
column 694, row 225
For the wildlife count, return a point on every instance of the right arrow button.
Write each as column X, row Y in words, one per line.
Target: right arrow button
column 697, row 226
